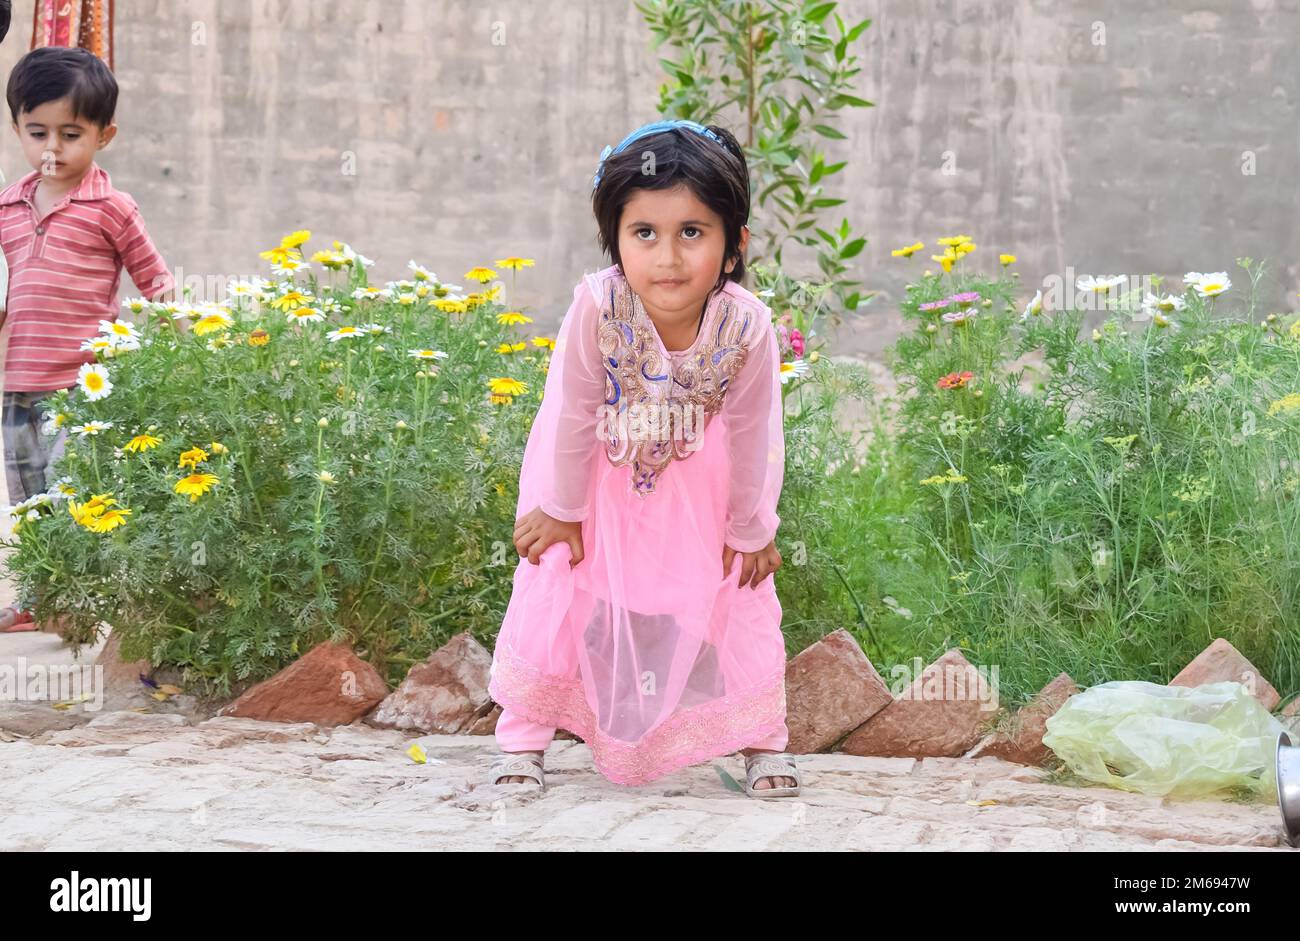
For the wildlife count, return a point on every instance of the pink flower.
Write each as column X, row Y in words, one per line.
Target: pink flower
column 963, row 300
column 796, row 341
column 935, row 305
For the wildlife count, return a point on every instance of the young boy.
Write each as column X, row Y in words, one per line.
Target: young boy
column 66, row 233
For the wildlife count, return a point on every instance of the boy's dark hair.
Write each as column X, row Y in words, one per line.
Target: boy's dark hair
column 54, row 72
column 717, row 174
column 6, row 13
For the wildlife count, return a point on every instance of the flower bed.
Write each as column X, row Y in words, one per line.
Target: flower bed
column 312, row 458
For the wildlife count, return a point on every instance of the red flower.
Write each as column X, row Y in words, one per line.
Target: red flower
column 955, row 380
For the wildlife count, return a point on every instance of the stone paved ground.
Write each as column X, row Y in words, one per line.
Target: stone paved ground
column 132, row 781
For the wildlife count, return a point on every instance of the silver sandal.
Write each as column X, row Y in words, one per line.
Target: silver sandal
column 771, row 765
column 525, row 764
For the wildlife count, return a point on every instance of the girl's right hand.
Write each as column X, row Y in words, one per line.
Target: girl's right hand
column 535, row 532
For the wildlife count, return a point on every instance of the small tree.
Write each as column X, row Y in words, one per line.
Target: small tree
column 772, row 65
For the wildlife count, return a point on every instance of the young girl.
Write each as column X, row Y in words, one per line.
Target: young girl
column 643, row 615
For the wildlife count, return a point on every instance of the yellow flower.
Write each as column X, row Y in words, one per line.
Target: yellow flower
column 965, row 248
column 329, row 259
column 907, row 251
column 946, row 259
column 1288, row 403
column 142, row 443
column 514, row 263
column 546, row 342
column 954, row 240
column 1295, row 330
column 503, row 385
column 493, row 293
column 211, row 323
column 259, row 337
column 289, row 300
column 511, row 347
column 217, row 447
column 192, row 457
column 480, row 274
column 86, row 513
column 280, row 254
column 109, row 521
column 448, row 306
column 1007, row 260
column 512, row 317
column 195, row 485
column 295, row 239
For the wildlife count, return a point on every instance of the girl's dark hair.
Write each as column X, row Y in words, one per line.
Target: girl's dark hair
column 54, row 72
column 716, row 173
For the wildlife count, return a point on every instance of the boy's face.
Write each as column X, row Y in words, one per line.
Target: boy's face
column 59, row 144
column 671, row 246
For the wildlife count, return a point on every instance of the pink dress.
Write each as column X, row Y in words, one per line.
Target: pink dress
column 645, row 649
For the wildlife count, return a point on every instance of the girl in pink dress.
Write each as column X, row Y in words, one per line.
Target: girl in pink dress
column 643, row 616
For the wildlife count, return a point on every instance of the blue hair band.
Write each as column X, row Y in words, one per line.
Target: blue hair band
column 645, row 131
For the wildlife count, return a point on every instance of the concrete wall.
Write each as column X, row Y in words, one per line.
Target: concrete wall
column 475, row 128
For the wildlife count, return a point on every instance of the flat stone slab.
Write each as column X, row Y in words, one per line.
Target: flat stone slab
column 125, row 780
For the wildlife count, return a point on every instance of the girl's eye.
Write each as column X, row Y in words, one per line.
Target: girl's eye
column 640, row 231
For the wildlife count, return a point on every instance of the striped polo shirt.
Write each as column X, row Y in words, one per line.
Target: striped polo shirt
column 64, row 272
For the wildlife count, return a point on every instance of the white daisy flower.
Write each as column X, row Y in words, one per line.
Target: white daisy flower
column 53, row 422
column 330, row 306
column 793, row 369
column 92, row 428
column 376, row 328
column 371, row 293
column 407, row 299
column 136, row 305
column 94, row 382
column 1101, row 285
column 305, row 315
column 1034, row 307
column 344, row 333
column 346, row 250
column 958, row 316
column 119, row 330
column 401, row 287
column 1212, row 285
column 427, row 354
column 1192, row 277
column 290, row 267
column 421, row 273
column 99, row 344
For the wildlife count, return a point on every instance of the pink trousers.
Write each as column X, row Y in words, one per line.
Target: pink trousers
column 515, row 733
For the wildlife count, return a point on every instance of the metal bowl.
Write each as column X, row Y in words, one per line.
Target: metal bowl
column 1288, row 787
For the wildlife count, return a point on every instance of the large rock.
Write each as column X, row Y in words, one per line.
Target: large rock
column 447, row 693
column 1293, row 709
column 1021, row 740
column 831, row 688
column 1220, row 662
column 937, row 715
column 329, row 685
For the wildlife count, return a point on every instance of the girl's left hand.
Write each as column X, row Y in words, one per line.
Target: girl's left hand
column 755, row 566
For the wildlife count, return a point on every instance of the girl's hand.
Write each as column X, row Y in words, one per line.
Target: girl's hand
column 535, row 532
column 755, row 566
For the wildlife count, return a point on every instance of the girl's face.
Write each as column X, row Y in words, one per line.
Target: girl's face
column 671, row 246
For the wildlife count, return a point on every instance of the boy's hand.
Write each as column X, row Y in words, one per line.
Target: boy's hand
column 535, row 532
column 754, row 566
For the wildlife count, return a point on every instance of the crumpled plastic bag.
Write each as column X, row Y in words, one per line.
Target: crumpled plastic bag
column 1178, row 741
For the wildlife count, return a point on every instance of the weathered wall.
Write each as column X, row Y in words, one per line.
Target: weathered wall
column 476, row 127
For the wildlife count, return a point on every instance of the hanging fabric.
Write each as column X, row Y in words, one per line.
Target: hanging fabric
column 84, row 23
